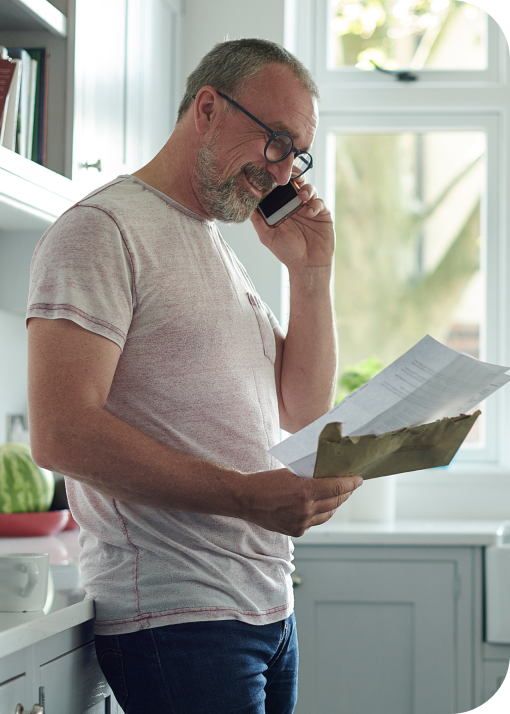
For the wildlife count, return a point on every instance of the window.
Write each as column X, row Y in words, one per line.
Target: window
column 415, row 171
column 410, row 34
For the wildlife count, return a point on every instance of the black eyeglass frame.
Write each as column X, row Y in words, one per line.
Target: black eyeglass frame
column 272, row 135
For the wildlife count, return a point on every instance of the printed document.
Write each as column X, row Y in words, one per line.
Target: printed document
column 429, row 382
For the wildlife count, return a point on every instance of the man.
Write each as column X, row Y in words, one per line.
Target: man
column 158, row 380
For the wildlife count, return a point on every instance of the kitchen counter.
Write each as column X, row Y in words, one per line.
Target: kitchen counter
column 66, row 605
column 425, row 533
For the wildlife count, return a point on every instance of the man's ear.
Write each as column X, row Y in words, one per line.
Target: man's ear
column 207, row 110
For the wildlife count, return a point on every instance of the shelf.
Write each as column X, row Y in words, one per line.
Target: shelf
column 31, row 196
column 32, row 15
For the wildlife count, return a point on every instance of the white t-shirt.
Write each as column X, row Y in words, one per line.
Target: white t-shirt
column 197, row 373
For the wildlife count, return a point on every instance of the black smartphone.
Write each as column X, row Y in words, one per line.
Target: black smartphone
column 281, row 203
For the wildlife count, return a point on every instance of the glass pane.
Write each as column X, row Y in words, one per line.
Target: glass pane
column 407, row 218
column 417, row 34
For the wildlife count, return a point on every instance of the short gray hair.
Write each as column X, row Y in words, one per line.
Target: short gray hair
column 231, row 64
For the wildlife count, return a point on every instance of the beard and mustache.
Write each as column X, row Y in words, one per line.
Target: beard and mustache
column 227, row 200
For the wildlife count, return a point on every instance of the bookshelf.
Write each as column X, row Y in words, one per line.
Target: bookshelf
column 33, row 196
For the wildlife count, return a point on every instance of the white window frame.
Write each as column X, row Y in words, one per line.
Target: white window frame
column 354, row 101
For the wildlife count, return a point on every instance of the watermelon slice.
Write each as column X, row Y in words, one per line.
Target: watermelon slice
column 24, row 487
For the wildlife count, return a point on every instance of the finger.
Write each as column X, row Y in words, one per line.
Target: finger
column 307, row 192
column 321, row 518
column 326, row 505
column 323, row 488
column 312, row 208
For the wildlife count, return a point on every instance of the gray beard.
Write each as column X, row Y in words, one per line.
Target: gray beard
column 226, row 200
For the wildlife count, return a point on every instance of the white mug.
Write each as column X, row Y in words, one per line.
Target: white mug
column 23, row 581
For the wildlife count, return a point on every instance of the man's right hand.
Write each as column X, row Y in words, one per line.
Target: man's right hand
column 283, row 502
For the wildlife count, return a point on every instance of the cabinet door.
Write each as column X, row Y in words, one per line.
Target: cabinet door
column 74, row 683
column 376, row 637
column 14, row 692
column 497, row 687
column 100, row 91
column 153, row 88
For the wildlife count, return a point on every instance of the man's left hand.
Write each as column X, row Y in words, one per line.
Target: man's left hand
column 306, row 239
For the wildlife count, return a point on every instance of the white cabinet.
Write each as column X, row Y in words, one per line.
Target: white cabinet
column 61, row 673
column 12, row 692
column 85, row 690
column 126, row 88
column 112, row 97
column 494, row 669
column 100, row 95
column 386, row 630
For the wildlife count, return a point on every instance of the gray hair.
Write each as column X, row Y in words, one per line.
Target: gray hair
column 231, row 64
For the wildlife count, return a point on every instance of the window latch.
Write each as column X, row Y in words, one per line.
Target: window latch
column 400, row 75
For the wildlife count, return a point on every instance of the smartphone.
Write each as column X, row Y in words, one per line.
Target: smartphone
column 281, row 203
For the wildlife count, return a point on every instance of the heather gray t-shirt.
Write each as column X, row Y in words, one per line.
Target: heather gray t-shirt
column 197, row 373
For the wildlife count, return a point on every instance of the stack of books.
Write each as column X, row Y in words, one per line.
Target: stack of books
column 24, row 101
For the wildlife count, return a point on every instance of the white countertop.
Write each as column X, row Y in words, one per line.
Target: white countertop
column 23, row 629
column 65, row 605
column 424, row 533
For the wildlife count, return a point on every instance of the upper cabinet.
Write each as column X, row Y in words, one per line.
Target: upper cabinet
column 112, row 95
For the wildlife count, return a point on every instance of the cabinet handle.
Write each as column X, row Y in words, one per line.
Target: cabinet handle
column 297, row 580
column 97, row 165
column 36, row 709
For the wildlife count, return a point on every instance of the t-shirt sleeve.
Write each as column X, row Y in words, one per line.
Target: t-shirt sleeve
column 82, row 271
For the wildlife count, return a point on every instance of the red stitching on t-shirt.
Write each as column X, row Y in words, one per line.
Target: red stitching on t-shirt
column 185, row 610
column 137, row 553
column 72, row 308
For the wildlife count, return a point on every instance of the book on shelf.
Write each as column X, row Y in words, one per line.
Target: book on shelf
column 11, row 113
column 6, row 73
column 25, row 108
column 26, row 101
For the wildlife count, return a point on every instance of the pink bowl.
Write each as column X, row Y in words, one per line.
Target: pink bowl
column 46, row 523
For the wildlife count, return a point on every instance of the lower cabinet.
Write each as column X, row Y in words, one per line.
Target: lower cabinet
column 496, row 667
column 61, row 673
column 388, row 630
column 12, row 692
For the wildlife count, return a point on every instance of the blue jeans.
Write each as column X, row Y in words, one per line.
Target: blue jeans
column 225, row 667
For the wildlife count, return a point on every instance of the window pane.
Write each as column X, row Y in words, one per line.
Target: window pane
column 417, row 34
column 407, row 217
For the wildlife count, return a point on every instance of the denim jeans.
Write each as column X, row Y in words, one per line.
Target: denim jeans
column 225, row 667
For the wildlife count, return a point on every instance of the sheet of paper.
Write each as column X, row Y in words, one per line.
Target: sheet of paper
column 430, row 381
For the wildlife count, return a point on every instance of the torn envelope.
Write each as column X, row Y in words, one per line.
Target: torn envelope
column 408, row 449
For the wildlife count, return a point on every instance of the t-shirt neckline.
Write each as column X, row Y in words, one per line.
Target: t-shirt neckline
column 178, row 207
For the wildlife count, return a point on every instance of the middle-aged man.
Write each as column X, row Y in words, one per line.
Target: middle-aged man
column 158, row 379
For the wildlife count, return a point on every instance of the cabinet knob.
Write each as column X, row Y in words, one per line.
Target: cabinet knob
column 297, row 580
column 97, row 165
column 36, row 709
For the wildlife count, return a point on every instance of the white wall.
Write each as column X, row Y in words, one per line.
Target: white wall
column 16, row 251
column 13, row 367
column 204, row 24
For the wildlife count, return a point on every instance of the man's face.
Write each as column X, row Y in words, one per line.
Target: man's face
column 232, row 174
column 228, row 200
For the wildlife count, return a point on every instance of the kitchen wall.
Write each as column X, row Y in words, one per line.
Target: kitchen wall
column 204, row 24
column 16, row 250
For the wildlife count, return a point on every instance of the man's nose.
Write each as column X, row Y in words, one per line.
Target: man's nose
column 282, row 170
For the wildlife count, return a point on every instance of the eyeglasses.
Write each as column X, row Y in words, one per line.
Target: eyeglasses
column 279, row 145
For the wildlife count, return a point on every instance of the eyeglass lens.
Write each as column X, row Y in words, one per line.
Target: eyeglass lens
column 280, row 146
column 300, row 165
